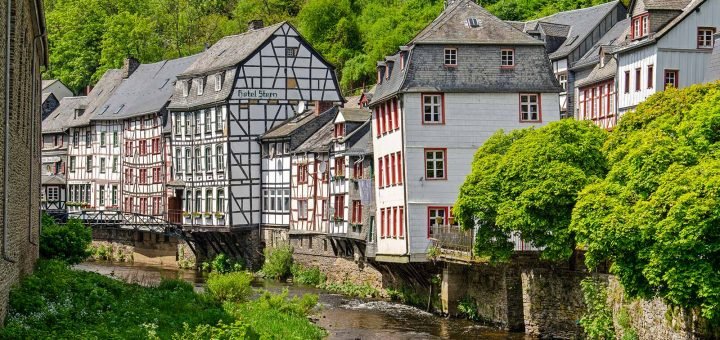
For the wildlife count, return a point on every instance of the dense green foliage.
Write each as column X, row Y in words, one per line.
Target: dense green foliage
column 222, row 264
column 68, row 242
column 278, row 263
column 57, row 302
column 230, row 287
column 311, row 276
column 656, row 216
column 88, row 37
column 598, row 319
column 527, row 182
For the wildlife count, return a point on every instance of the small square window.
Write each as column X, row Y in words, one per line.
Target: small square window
column 530, row 108
column 291, row 51
column 507, row 58
column 451, row 57
column 671, row 78
column 705, row 37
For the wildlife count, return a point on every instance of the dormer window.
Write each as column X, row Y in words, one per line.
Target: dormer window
column 200, row 86
column 387, row 71
column 186, row 88
column 473, row 22
column 218, row 82
column 639, row 28
column 339, row 130
column 402, row 61
column 451, row 57
column 507, row 58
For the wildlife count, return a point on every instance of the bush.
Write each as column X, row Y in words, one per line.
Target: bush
column 278, row 262
column 175, row 285
column 68, row 242
column 233, row 287
column 351, row 289
column 467, row 307
column 597, row 321
column 237, row 330
column 307, row 275
column 223, row 264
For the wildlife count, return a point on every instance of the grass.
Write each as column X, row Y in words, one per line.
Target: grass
column 57, row 302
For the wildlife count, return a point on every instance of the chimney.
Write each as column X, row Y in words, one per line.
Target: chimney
column 207, row 46
column 322, row 106
column 255, row 25
column 129, row 66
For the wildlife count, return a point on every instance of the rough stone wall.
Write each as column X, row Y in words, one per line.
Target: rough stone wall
column 552, row 302
column 20, row 232
column 654, row 319
column 138, row 247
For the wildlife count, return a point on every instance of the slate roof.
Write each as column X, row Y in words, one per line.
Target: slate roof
column 52, row 180
column 358, row 115
column 451, row 28
column 60, row 119
column 209, row 97
column 612, row 38
column 318, row 141
column 599, row 74
column 360, row 141
column 48, row 82
column 691, row 5
column 103, row 90
column 230, row 51
column 580, row 22
column 46, row 95
column 298, row 123
column 146, row 91
column 663, row 4
column 713, row 71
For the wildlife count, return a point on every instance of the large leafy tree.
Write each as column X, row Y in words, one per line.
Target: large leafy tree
column 656, row 215
column 526, row 182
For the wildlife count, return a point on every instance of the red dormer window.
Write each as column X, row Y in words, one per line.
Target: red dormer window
column 339, row 130
column 639, row 26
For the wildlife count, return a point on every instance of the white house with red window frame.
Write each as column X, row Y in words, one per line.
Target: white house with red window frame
column 464, row 77
column 669, row 44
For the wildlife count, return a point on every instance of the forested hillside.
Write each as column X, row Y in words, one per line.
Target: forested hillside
column 87, row 37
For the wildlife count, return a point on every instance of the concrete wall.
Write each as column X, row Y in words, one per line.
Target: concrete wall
column 20, row 214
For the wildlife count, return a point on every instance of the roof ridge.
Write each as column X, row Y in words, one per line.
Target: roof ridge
column 252, row 31
column 615, row 2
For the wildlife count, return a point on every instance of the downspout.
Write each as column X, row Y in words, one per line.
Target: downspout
column 6, row 152
column 32, row 143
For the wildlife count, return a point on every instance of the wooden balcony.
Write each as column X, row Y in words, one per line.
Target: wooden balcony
column 455, row 244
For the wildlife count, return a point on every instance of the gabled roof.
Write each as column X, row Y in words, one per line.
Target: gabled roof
column 676, row 5
column 146, row 91
column 59, row 120
column 581, row 23
column 48, row 82
column 451, row 27
column 52, row 180
column 599, row 73
column 319, row 141
column 298, row 124
column 359, row 142
column 230, row 51
column 355, row 115
column 613, row 38
column 687, row 10
column 96, row 99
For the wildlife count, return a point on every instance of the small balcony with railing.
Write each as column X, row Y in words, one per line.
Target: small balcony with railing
column 452, row 243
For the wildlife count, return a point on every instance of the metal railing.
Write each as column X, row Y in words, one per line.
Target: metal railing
column 453, row 242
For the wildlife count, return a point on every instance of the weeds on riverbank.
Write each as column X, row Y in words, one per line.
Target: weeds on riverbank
column 311, row 276
column 351, row 289
column 278, row 262
column 57, row 302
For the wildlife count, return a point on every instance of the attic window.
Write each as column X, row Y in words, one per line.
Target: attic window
column 218, row 81
column 473, row 22
column 201, row 86
column 186, row 88
column 507, row 58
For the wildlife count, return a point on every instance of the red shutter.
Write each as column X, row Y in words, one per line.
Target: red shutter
column 382, row 222
column 402, row 221
column 387, row 170
column 393, row 169
column 380, row 172
column 377, row 121
column 394, row 223
column 395, row 110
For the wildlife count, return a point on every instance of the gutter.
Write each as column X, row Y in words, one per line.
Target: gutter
column 33, row 145
column 6, row 152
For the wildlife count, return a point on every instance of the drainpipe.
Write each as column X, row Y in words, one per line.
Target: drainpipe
column 33, row 145
column 8, row 27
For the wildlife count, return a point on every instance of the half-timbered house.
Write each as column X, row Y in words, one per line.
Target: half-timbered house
column 85, row 174
column 277, row 146
column 138, row 154
column 669, row 44
column 310, row 193
column 54, row 152
column 465, row 76
column 351, row 170
column 233, row 93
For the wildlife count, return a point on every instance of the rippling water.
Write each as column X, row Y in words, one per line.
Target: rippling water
column 343, row 318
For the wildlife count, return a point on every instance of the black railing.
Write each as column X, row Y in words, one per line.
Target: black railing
column 52, row 205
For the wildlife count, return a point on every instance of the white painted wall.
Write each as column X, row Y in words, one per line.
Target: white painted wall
column 638, row 58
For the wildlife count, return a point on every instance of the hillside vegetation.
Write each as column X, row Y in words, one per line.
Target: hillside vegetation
column 88, row 37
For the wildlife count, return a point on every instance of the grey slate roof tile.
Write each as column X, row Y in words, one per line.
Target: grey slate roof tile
column 359, row 115
column 599, row 74
column 146, row 91
column 360, row 143
column 319, row 141
column 687, row 10
column 96, row 99
column 301, row 127
column 60, row 119
column 209, row 96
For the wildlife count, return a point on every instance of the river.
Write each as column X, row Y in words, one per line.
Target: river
column 343, row 318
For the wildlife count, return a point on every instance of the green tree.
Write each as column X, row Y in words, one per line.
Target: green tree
column 655, row 216
column 66, row 242
column 527, row 182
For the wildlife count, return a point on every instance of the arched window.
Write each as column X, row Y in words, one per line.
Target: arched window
column 208, row 200
column 220, row 200
column 208, row 158
column 220, row 155
column 198, row 201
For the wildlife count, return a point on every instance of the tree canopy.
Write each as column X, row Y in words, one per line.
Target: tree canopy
column 526, row 183
column 656, row 215
column 88, row 37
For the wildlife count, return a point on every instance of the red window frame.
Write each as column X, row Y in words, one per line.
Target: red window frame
column 323, row 210
column 627, row 81
column 400, row 167
column 302, row 174
column 650, row 76
column 340, row 166
column 356, row 212
column 444, row 151
column 387, row 171
column 539, row 106
column 442, row 108
column 397, row 114
column 339, row 130
column 383, row 117
column 643, row 23
column 358, row 170
column 401, row 233
column 445, row 211
column 394, row 222
column 382, row 223
column 712, row 37
column 377, row 122
column 340, row 207
column 676, row 74
column 380, row 173
column 388, row 109
column 393, row 168
column 638, row 80
column 307, row 209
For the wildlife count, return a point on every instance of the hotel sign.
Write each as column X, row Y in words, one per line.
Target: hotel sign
column 258, row 94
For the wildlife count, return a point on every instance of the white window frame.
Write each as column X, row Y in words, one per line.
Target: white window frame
column 218, row 81
column 53, row 194
column 507, row 57
column 185, row 88
column 705, row 38
column 200, row 86
column 450, row 56
column 526, row 114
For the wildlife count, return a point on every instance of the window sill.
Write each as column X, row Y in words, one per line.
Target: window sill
column 507, row 67
column 530, row 121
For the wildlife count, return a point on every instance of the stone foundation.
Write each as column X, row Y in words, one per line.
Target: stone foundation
column 140, row 247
